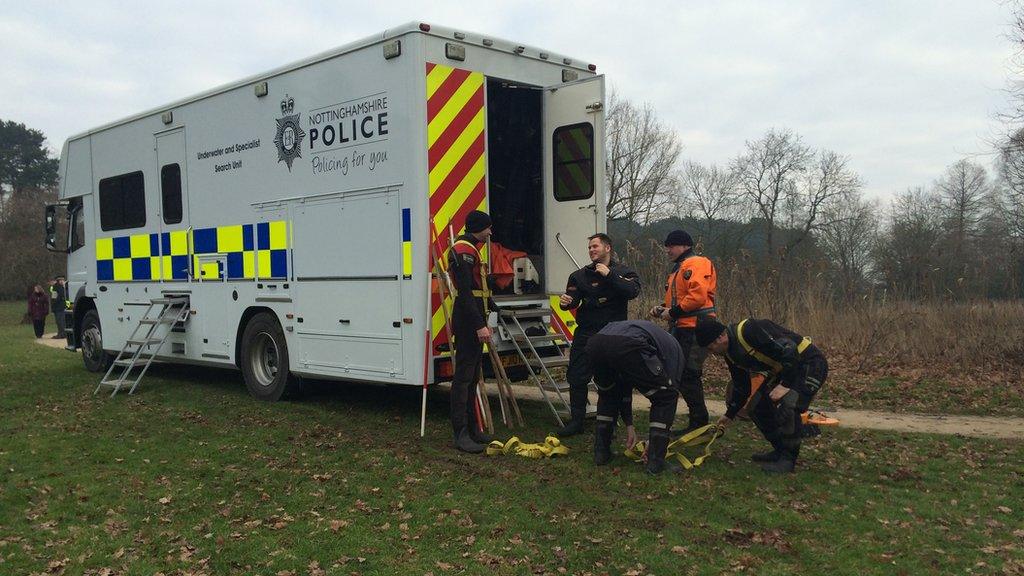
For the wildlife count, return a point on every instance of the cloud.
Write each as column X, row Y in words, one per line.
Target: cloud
column 903, row 88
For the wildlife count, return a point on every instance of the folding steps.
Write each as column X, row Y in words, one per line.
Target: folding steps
column 144, row 343
column 521, row 324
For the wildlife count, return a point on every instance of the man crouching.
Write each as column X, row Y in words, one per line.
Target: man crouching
column 795, row 368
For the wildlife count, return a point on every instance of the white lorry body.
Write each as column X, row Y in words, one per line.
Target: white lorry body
column 309, row 193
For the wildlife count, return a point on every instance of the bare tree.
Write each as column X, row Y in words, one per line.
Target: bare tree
column 908, row 256
column 849, row 239
column 766, row 174
column 707, row 194
column 963, row 191
column 641, row 155
column 828, row 181
column 1011, row 171
column 790, row 187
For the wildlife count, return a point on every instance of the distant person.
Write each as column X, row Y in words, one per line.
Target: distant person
column 689, row 295
column 600, row 292
column 58, row 304
column 796, row 371
column 38, row 308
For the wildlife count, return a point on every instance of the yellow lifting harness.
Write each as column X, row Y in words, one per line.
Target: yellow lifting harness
column 550, row 448
column 485, row 292
column 705, row 435
column 763, row 358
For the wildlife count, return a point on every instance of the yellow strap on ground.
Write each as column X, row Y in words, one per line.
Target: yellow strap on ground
column 550, row 448
column 705, row 435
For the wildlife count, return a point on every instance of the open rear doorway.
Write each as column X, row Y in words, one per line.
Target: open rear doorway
column 515, row 175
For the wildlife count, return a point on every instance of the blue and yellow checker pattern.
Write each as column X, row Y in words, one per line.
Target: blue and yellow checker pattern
column 252, row 251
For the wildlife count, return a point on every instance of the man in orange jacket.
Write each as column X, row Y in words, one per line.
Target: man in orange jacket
column 689, row 294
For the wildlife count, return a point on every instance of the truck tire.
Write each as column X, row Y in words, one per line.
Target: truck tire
column 264, row 359
column 91, row 343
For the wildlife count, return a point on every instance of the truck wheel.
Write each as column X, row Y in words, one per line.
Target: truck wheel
column 95, row 359
column 265, row 359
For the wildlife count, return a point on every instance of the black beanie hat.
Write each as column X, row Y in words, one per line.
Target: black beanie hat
column 708, row 330
column 477, row 221
column 678, row 238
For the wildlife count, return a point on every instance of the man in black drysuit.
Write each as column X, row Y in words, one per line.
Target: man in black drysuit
column 600, row 293
column 642, row 355
column 794, row 369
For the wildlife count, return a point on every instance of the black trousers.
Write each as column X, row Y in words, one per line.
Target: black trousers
column 622, row 364
column 780, row 423
column 58, row 316
column 691, row 386
column 39, row 326
column 469, row 353
column 578, row 374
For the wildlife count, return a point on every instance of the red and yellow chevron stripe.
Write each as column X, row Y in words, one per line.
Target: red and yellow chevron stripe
column 562, row 319
column 456, row 159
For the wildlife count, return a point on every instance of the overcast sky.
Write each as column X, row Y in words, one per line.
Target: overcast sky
column 903, row 88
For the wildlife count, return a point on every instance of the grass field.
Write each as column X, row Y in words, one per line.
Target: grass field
column 190, row 476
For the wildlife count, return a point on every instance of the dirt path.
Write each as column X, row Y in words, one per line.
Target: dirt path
column 975, row 426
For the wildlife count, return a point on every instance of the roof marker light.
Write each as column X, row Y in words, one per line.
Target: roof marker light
column 424, row 27
column 487, row 42
column 392, row 49
column 592, row 67
column 567, row 61
column 454, row 51
column 460, row 36
column 520, row 49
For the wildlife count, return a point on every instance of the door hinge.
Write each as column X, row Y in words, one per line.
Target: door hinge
column 595, row 106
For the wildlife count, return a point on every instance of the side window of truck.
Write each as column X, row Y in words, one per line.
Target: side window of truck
column 123, row 202
column 170, row 193
column 573, row 162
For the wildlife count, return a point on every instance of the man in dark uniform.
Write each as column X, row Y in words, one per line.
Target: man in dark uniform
column 635, row 354
column 58, row 304
column 794, row 368
column 469, row 324
column 600, row 293
column 689, row 295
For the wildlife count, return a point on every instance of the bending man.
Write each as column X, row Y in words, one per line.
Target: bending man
column 795, row 370
column 635, row 354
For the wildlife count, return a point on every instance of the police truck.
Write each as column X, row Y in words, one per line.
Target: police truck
column 287, row 224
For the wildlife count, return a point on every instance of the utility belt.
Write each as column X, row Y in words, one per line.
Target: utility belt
column 698, row 313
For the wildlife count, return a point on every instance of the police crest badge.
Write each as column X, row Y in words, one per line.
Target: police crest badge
column 687, row 274
column 289, row 134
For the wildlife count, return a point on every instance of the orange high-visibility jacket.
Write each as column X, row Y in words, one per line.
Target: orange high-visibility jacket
column 690, row 290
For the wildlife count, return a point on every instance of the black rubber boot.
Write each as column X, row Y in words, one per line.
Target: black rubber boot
column 656, row 448
column 575, row 424
column 479, row 436
column 603, row 443
column 789, row 450
column 464, row 442
column 784, row 465
column 772, row 456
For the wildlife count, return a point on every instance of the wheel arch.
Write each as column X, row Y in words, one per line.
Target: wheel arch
column 83, row 304
column 248, row 315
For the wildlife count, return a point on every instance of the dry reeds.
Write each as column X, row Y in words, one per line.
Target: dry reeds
column 869, row 331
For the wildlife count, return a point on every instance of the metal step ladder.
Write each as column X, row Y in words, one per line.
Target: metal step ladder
column 511, row 320
column 138, row 352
